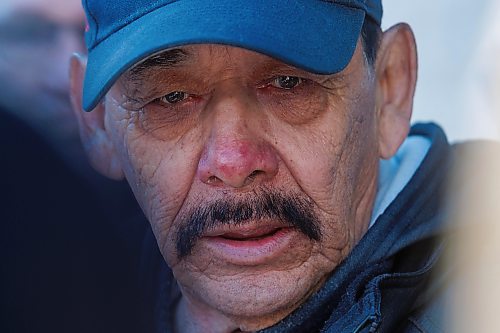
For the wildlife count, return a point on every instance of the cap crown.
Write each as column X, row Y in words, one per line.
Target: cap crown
column 108, row 16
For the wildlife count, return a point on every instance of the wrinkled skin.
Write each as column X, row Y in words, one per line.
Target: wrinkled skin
column 235, row 130
column 317, row 140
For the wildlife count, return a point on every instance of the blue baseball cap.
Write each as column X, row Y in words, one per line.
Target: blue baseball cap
column 319, row 36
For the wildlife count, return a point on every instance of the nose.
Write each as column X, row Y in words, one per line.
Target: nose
column 236, row 155
column 237, row 163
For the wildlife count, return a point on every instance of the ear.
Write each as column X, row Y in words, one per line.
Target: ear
column 396, row 71
column 96, row 140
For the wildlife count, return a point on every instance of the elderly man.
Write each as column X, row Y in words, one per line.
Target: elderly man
column 267, row 143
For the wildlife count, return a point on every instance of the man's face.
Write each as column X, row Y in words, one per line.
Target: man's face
column 37, row 38
column 257, row 177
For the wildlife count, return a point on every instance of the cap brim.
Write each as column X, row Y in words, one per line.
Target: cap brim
column 317, row 36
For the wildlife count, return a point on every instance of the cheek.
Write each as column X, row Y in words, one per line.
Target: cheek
column 313, row 154
column 160, row 172
column 304, row 106
column 333, row 158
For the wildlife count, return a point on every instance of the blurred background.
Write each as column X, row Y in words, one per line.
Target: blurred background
column 459, row 76
column 459, row 87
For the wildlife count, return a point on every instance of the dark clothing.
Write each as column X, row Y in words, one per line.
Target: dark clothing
column 384, row 282
column 384, row 285
column 67, row 254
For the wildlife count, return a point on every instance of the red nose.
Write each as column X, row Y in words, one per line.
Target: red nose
column 237, row 163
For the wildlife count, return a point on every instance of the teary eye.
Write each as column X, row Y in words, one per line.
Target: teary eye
column 286, row 82
column 174, row 97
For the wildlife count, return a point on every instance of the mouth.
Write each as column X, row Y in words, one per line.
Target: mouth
column 250, row 246
column 250, row 235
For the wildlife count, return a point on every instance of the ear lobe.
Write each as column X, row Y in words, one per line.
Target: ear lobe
column 396, row 71
column 96, row 141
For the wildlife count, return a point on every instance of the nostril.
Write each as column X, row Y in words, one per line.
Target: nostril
column 213, row 180
column 254, row 174
column 251, row 177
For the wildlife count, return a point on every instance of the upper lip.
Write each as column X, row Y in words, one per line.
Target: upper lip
column 246, row 230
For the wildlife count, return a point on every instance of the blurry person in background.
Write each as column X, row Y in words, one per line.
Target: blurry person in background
column 64, row 264
column 37, row 37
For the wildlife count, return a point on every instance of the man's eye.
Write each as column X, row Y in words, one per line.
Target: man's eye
column 286, row 82
column 174, row 97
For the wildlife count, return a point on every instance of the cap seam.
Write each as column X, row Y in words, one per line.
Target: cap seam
column 350, row 3
column 364, row 5
column 153, row 7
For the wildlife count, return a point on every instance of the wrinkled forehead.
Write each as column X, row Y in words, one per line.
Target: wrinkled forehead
column 62, row 11
column 210, row 60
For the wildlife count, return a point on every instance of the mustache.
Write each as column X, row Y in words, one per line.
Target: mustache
column 293, row 210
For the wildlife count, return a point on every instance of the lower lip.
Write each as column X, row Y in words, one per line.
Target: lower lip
column 253, row 251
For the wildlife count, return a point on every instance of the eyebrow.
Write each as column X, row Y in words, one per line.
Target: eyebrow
column 163, row 60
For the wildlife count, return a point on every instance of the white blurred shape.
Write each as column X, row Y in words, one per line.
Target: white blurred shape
column 453, row 38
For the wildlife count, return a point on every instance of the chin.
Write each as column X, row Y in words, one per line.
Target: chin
column 254, row 300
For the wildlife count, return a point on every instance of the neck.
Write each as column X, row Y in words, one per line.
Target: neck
column 194, row 317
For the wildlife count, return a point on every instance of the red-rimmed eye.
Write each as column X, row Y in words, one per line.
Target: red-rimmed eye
column 286, row 82
column 174, row 97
